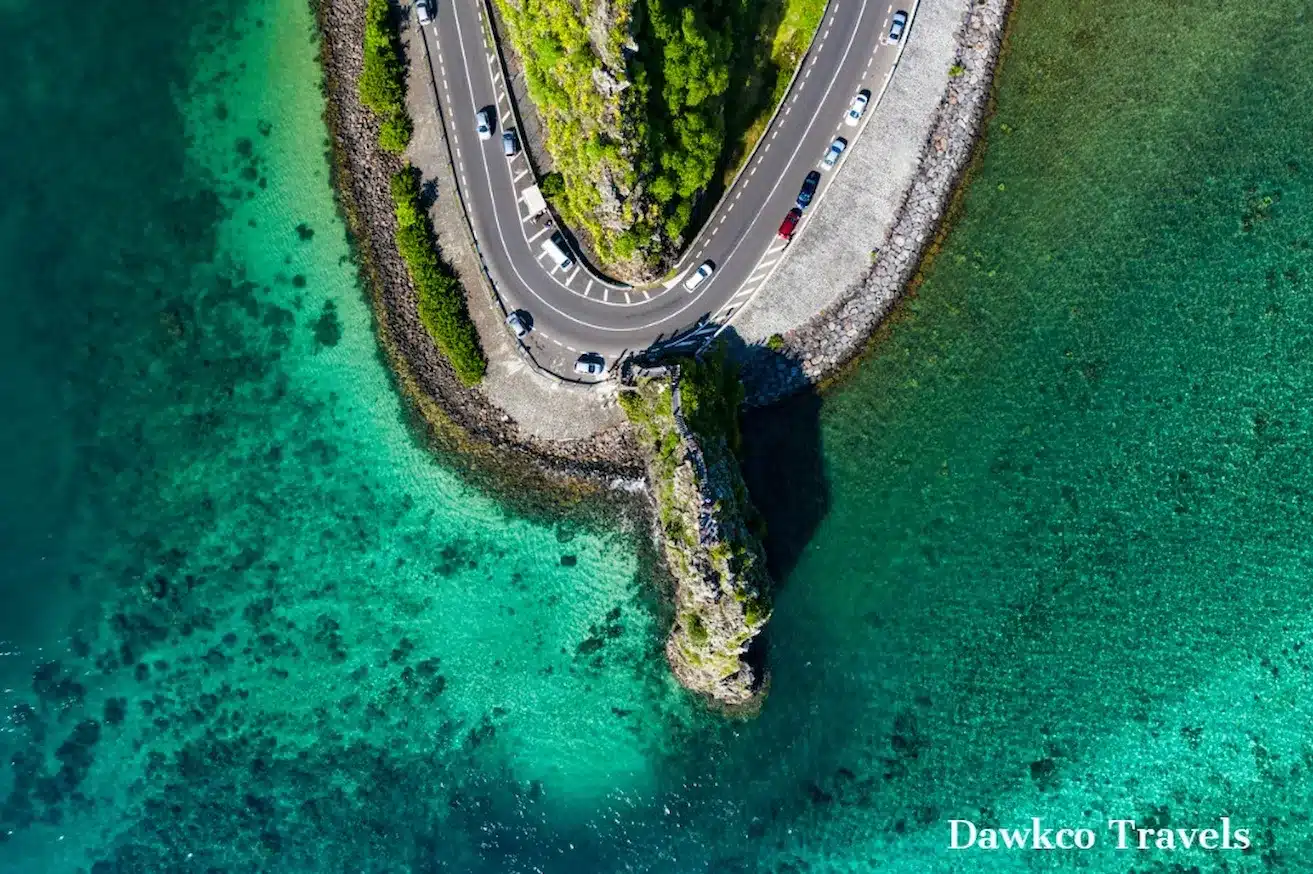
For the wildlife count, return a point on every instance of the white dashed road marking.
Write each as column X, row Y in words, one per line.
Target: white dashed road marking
column 539, row 234
column 520, row 175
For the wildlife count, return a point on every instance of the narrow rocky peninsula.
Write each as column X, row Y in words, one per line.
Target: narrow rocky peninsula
column 686, row 416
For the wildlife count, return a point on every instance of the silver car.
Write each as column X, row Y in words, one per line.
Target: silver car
column 832, row 154
column 520, row 322
column 423, row 11
column 897, row 26
column 483, row 124
column 590, row 364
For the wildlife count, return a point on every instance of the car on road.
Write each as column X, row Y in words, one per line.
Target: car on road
column 789, row 226
column 832, row 154
column 858, row 109
column 590, row 364
column 701, row 275
column 483, row 124
column 897, row 26
column 423, row 12
column 510, row 143
column 808, row 188
column 520, row 322
column 554, row 248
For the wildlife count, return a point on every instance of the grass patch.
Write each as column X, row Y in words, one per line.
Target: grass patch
column 442, row 307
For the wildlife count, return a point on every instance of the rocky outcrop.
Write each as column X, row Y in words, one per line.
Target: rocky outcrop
column 706, row 530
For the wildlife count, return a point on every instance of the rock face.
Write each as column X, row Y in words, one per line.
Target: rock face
column 706, row 522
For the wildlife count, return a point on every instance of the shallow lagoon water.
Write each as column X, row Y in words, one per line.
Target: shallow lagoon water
column 1045, row 554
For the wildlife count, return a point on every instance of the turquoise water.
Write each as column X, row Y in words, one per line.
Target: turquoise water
column 1045, row 555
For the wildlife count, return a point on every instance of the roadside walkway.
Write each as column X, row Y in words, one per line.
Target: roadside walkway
column 832, row 254
column 541, row 406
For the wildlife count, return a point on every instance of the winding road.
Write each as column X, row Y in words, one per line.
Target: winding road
column 576, row 310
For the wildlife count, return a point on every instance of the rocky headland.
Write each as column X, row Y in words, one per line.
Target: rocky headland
column 686, row 416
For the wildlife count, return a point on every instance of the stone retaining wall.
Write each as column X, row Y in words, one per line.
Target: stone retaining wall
column 841, row 330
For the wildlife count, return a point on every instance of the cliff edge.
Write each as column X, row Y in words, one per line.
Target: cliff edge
column 686, row 418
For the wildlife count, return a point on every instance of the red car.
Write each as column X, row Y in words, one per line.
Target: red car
column 790, row 224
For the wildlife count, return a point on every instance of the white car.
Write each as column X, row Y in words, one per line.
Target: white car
column 590, row 364
column 858, row 109
column 423, row 11
column 701, row 275
column 832, row 154
column 483, row 124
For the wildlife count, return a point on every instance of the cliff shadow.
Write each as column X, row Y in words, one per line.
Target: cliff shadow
column 781, row 454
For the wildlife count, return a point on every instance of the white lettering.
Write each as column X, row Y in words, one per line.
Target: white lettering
column 1084, row 838
column 1041, row 841
column 1241, row 836
column 1165, row 839
column 1014, row 838
column 1208, row 839
column 1121, row 830
column 952, row 827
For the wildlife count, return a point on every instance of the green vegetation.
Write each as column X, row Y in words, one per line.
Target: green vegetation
column 775, row 343
column 442, row 307
column 382, row 84
column 956, row 70
column 712, row 394
column 641, row 133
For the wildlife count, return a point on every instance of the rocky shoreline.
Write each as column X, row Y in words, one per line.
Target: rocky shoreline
column 459, row 420
column 836, row 337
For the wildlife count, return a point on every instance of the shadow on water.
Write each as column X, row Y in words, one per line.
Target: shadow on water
column 781, row 459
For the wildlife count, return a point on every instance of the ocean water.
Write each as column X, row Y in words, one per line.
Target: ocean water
column 1045, row 554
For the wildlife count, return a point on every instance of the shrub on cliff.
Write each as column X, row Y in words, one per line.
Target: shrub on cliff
column 712, row 393
column 442, row 308
column 382, row 84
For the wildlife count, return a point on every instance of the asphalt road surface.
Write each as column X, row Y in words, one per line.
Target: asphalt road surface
column 575, row 310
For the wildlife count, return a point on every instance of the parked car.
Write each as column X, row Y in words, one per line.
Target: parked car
column 832, row 154
column 590, row 364
column 701, row 275
column 423, row 11
column 789, row 226
column 808, row 188
column 897, row 26
column 858, row 109
column 510, row 143
column 483, row 123
column 520, row 322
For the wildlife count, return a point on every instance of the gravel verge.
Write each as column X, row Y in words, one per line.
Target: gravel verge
column 832, row 288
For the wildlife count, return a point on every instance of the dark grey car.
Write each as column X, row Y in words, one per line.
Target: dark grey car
column 808, row 188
